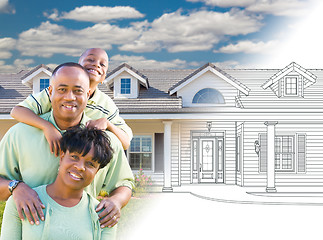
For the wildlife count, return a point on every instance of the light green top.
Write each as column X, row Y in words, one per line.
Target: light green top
column 100, row 105
column 80, row 222
column 25, row 155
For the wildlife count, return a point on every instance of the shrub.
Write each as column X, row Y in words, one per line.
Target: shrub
column 142, row 182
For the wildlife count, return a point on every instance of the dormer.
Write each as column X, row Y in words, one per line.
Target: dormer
column 290, row 81
column 126, row 81
column 209, row 86
column 38, row 78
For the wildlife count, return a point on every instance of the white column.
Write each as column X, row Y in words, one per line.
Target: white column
column 167, row 156
column 271, row 156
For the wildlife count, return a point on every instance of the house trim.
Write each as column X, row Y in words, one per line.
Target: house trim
column 229, row 80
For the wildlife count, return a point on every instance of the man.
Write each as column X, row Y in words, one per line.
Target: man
column 25, row 154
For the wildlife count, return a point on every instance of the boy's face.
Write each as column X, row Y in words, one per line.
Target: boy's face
column 77, row 171
column 95, row 61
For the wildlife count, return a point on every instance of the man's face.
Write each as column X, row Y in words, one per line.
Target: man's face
column 69, row 92
column 95, row 61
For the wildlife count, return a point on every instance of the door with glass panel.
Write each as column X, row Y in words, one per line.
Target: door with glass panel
column 207, row 160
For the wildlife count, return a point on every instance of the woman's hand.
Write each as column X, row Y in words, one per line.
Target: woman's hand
column 27, row 201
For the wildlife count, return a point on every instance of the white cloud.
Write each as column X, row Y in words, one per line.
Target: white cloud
column 250, row 47
column 226, row 3
column 5, row 7
column 6, row 44
column 280, row 8
column 96, row 14
column 48, row 39
column 199, row 30
column 141, row 62
column 273, row 7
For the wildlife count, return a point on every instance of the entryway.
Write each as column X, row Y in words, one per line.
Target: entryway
column 207, row 158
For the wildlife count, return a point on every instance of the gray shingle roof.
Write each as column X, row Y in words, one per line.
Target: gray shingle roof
column 156, row 98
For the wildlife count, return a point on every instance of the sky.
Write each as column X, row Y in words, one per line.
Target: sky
column 169, row 34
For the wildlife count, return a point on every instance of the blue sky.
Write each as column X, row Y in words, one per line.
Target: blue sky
column 161, row 34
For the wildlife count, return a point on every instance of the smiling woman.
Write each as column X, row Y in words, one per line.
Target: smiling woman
column 67, row 205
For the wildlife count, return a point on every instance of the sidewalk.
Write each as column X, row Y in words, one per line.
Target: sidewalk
column 255, row 195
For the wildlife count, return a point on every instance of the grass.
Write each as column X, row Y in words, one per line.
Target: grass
column 128, row 215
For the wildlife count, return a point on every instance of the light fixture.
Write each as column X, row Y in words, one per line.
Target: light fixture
column 257, row 147
column 209, row 126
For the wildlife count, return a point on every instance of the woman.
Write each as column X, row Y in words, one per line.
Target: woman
column 69, row 211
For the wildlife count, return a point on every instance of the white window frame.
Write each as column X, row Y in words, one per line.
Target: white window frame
column 288, row 86
column 125, row 78
column 280, row 153
column 152, row 152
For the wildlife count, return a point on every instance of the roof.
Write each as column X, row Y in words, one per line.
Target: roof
column 209, row 66
column 156, row 98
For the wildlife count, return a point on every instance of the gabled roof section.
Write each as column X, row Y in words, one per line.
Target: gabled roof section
column 310, row 78
column 214, row 69
column 127, row 68
column 27, row 78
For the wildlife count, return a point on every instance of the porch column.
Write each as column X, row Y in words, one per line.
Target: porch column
column 271, row 156
column 167, row 156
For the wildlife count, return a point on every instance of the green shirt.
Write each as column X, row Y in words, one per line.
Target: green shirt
column 25, row 155
column 100, row 105
column 80, row 222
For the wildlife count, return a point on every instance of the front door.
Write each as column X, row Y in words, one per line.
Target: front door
column 208, row 160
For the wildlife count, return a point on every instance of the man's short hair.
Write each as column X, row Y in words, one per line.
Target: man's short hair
column 70, row 64
column 80, row 139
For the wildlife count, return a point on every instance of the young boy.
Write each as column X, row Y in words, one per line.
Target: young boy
column 100, row 106
column 70, row 211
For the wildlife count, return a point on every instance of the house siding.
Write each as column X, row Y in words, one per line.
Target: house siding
column 184, row 148
column 314, row 152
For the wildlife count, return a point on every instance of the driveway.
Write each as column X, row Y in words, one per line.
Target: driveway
column 228, row 212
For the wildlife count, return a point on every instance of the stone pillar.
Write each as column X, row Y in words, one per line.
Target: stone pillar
column 271, row 156
column 167, row 156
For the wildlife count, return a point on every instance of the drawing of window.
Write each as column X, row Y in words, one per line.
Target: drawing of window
column 140, row 152
column 43, row 83
column 125, row 86
column 284, row 153
column 291, row 86
column 286, row 156
column 208, row 95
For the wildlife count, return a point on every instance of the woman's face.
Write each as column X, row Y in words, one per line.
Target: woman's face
column 77, row 171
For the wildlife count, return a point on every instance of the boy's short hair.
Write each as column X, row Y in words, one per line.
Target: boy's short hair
column 81, row 139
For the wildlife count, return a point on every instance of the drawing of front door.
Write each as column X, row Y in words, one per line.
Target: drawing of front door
column 207, row 160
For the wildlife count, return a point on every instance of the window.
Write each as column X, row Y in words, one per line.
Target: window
column 43, row 83
column 140, row 153
column 284, row 153
column 208, row 95
column 291, row 86
column 290, row 153
column 125, row 86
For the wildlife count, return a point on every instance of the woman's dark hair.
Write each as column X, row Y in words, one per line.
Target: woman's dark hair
column 81, row 139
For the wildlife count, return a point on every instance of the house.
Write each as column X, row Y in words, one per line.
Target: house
column 245, row 127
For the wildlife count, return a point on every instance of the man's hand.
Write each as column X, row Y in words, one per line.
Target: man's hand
column 27, row 201
column 111, row 213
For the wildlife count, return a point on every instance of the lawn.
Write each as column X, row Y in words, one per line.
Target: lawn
column 128, row 216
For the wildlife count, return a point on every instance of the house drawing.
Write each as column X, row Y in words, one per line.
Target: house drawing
column 244, row 127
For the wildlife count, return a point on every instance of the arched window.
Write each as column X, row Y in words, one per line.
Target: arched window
column 208, row 95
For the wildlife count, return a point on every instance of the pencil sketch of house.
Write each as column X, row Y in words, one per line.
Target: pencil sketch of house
column 244, row 127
